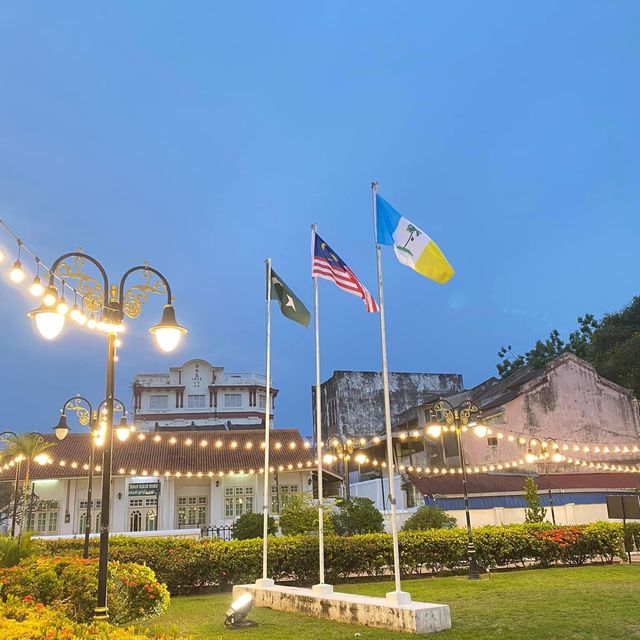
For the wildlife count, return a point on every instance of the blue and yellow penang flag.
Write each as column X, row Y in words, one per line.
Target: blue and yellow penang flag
column 413, row 247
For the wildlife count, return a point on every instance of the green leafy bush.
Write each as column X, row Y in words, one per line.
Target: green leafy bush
column 358, row 515
column 186, row 565
column 70, row 584
column 12, row 550
column 534, row 511
column 429, row 518
column 251, row 525
column 299, row 515
column 28, row 619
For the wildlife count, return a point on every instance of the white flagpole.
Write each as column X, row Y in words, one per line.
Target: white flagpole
column 321, row 587
column 397, row 596
column 266, row 581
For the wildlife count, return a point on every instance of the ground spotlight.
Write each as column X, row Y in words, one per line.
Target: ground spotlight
column 236, row 614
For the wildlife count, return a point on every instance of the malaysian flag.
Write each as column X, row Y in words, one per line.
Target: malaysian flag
column 327, row 265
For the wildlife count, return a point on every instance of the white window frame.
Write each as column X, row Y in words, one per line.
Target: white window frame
column 236, row 403
column 238, row 501
column 159, row 402
column 200, row 404
column 278, row 492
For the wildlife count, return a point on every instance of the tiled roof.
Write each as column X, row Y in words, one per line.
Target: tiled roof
column 514, row 483
column 156, row 453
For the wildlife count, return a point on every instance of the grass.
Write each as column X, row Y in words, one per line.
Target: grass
column 594, row 602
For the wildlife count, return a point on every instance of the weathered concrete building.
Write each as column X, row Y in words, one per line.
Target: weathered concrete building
column 567, row 400
column 352, row 401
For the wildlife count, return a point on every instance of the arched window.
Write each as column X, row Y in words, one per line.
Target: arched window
column 83, row 520
column 135, row 520
column 98, row 521
column 151, row 522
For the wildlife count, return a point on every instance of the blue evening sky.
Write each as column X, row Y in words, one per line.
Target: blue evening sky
column 204, row 137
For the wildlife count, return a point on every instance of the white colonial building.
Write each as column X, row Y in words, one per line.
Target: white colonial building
column 199, row 394
column 168, row 480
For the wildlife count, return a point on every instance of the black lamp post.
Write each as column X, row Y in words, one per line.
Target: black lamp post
column 344, row 448
column 545, row 444
column 458, row 419
column 87, row 418
column 111, row 303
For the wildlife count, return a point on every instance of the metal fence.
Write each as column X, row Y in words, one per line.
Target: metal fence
column 224, row 532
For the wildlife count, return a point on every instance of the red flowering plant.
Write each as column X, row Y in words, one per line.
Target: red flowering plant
column 70, row 585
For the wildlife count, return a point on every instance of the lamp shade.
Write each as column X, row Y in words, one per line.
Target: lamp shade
column 122, row 430
column 168, row 332
column 61, row 429
column 48, row 322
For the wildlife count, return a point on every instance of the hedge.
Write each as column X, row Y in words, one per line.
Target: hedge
column 186, row 564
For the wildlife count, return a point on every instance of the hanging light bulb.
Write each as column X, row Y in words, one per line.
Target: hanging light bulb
column 480, row 430
column 530, row 457
column 91, row 322
column 17, row 274
column 36, row 289
column 63, row 307
column 1, row 255
column 51, row 295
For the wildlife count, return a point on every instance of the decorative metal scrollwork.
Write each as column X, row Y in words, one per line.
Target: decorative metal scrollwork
column 84, row 417
column 91, row 289
column 460, row 414
column 138, row 294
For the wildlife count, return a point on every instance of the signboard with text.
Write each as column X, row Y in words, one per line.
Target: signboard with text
column 144, row 489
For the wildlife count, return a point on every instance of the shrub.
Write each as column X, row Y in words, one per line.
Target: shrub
column 28, row 619
column 358, row 515
column 534, row 511
column 299, row 515
column 186, row 565
column 71, row 584
column 12, row 550
column 251, row 525
column 429, row 518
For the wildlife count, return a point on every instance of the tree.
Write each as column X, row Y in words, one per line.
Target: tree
column 611, row 345
column 429, row 518
column 357, row 515
column 30, row 447
column 534, row 512
column 251, row 525
column 300, row 515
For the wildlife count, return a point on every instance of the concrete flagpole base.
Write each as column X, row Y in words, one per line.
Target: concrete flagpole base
column 262, row 583
column 322, row 589
column 396, row 612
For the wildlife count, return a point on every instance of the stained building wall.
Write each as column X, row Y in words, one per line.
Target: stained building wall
column 352, row 402
column 570, row 402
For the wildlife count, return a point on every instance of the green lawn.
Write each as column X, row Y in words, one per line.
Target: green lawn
column 565, row 603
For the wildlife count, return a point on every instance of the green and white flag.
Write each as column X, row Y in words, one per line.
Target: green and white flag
column 290, row 305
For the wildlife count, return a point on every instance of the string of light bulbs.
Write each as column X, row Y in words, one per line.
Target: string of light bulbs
column 49, row 293
column 508, row 435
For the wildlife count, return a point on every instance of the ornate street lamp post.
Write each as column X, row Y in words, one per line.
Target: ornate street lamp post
column 545, row 444
column 458, row 419
column 110, row 304
column 87, row 417
column 344, row 448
